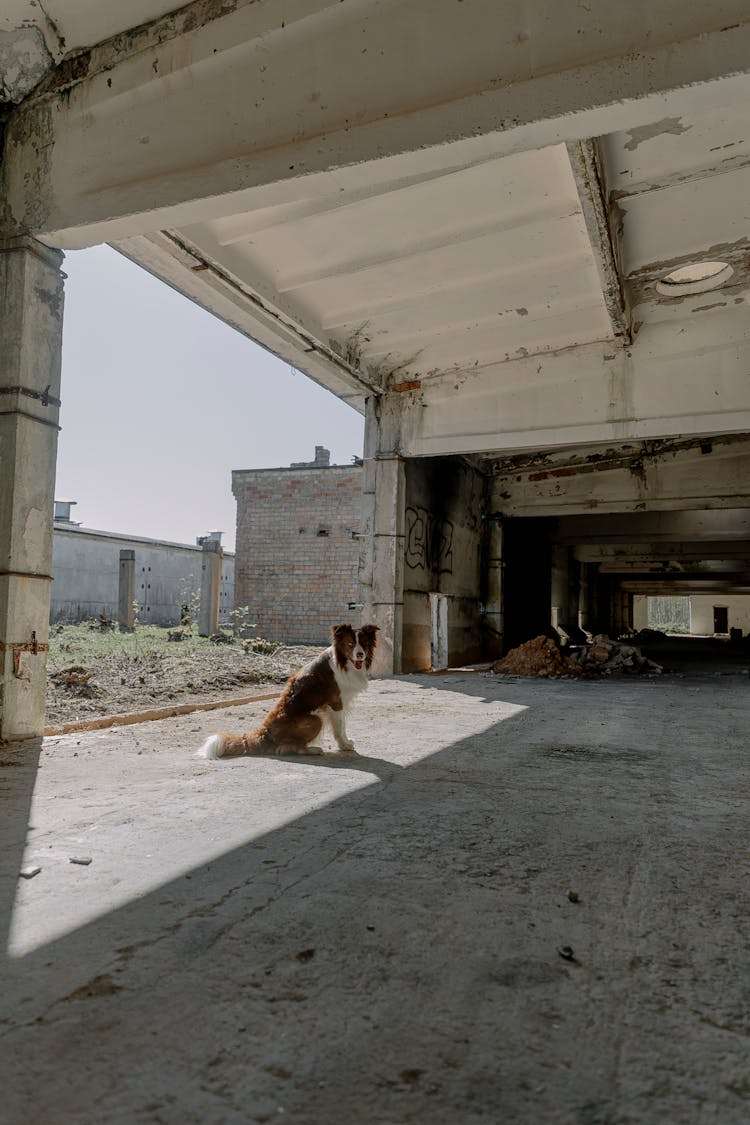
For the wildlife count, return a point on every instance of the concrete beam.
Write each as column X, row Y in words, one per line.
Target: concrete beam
column 649, row 553
column 684, row 378
column 667, row 482
column 726, row 525
column 585, row 165
column 255, row 312
column 204, row 111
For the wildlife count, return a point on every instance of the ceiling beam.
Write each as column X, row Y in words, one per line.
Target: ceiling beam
column 211, row 112
column 164, row 256
column 586, row 168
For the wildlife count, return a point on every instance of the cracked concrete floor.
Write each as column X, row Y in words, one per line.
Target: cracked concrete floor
column 523, row 902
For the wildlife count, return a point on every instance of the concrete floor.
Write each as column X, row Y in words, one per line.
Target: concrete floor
column 378, row 940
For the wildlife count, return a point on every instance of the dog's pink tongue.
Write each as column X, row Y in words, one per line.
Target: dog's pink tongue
column 358, row 664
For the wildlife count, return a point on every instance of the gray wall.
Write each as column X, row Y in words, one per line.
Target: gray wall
column 86, row 569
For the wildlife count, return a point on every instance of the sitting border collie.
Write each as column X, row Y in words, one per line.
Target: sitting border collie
column 323, row 689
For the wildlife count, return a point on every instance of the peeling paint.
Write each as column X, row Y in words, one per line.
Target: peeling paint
column 103, row 56
column 52, row 299
column 643, row 133
column 24, row 61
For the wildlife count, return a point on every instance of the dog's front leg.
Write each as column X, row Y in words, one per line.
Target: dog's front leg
column 338, row 726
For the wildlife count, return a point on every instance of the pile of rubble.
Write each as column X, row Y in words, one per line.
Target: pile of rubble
column 540, row 657
column 543, row 657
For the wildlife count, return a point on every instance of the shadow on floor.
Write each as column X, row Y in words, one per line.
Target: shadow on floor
column 537, row 924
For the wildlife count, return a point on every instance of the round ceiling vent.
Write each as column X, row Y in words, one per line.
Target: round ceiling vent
column 696, row 277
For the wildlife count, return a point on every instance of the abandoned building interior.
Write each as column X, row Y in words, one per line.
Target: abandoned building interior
column 534, row 285
column 515, row 237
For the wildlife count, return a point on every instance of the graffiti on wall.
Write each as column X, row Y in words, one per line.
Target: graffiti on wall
column 429, row 542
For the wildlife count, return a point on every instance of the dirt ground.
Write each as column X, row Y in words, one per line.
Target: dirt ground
column 94, row 673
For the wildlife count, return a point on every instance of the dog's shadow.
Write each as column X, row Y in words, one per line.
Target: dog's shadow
column 381, row 767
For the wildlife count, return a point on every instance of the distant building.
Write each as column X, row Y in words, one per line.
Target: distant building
column 86, row 570
column 298, row 546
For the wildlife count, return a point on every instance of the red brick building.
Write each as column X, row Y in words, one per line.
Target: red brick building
column 298, row 546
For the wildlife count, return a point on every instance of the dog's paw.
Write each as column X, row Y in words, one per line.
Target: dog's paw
column 346, row 746
column 314, row 750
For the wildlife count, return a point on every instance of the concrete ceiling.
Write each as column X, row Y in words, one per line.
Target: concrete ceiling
column 36, row 34
column 471, row 217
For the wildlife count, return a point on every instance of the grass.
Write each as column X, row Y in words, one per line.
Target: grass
column 88, row 644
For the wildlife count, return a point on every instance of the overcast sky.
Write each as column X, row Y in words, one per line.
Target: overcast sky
column 160, row 401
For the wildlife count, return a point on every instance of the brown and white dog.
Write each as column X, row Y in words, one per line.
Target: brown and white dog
column 323, row 689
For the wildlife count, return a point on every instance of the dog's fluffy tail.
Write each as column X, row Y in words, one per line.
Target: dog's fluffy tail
column 230, row 745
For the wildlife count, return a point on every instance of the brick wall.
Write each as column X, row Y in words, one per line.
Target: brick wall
column 295, row 556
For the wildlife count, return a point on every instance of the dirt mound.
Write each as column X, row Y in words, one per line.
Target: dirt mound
column 538, row 657
column 542, row 657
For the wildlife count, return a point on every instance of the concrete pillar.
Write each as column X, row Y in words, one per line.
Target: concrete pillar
column 381, row 565
column 208, row 615
column 566, row 592
column 584, row 596
column 493, row 614
column 388, row 563
column 126, row 597
column 31, row 311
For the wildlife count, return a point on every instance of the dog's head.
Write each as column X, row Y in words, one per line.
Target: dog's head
column 357, row 647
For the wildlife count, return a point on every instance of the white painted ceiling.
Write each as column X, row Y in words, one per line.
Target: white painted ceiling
column 451, row 266
column 450, row 257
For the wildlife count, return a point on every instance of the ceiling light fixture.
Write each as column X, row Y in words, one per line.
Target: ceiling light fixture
column 696, row 277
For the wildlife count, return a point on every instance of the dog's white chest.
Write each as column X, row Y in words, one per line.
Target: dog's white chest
column 350, row 680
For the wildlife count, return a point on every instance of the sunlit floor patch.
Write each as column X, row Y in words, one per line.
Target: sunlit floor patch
column 146, row 812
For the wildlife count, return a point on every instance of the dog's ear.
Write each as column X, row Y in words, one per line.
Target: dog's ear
column 338, row 631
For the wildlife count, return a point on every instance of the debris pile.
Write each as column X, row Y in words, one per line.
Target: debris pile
column 77, row 679
column 542, row 657
column 538, row 657
column 75, row 675
column 605, row 655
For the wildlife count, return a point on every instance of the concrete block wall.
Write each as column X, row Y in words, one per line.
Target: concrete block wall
column 86, row 573
column 297, row 550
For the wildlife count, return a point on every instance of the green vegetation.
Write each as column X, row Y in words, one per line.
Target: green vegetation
column 669, row 614
column 88, row 643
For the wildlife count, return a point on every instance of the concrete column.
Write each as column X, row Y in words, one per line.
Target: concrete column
column 584, row 596
column 126, row 598
column 208, row 615
column 31, row 311
column 493, row 614
column 381, row 570
column 559, row 581
column 388, row 563
column 566, row 591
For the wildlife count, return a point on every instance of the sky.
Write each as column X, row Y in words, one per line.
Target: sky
column 161, row 401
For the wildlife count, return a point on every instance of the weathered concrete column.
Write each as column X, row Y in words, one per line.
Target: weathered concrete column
column 382, row 563
column 493, row 613
column 565, row 591
column 388, row 563
column 31, row 311
column 208, row 615
column 126, row 592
